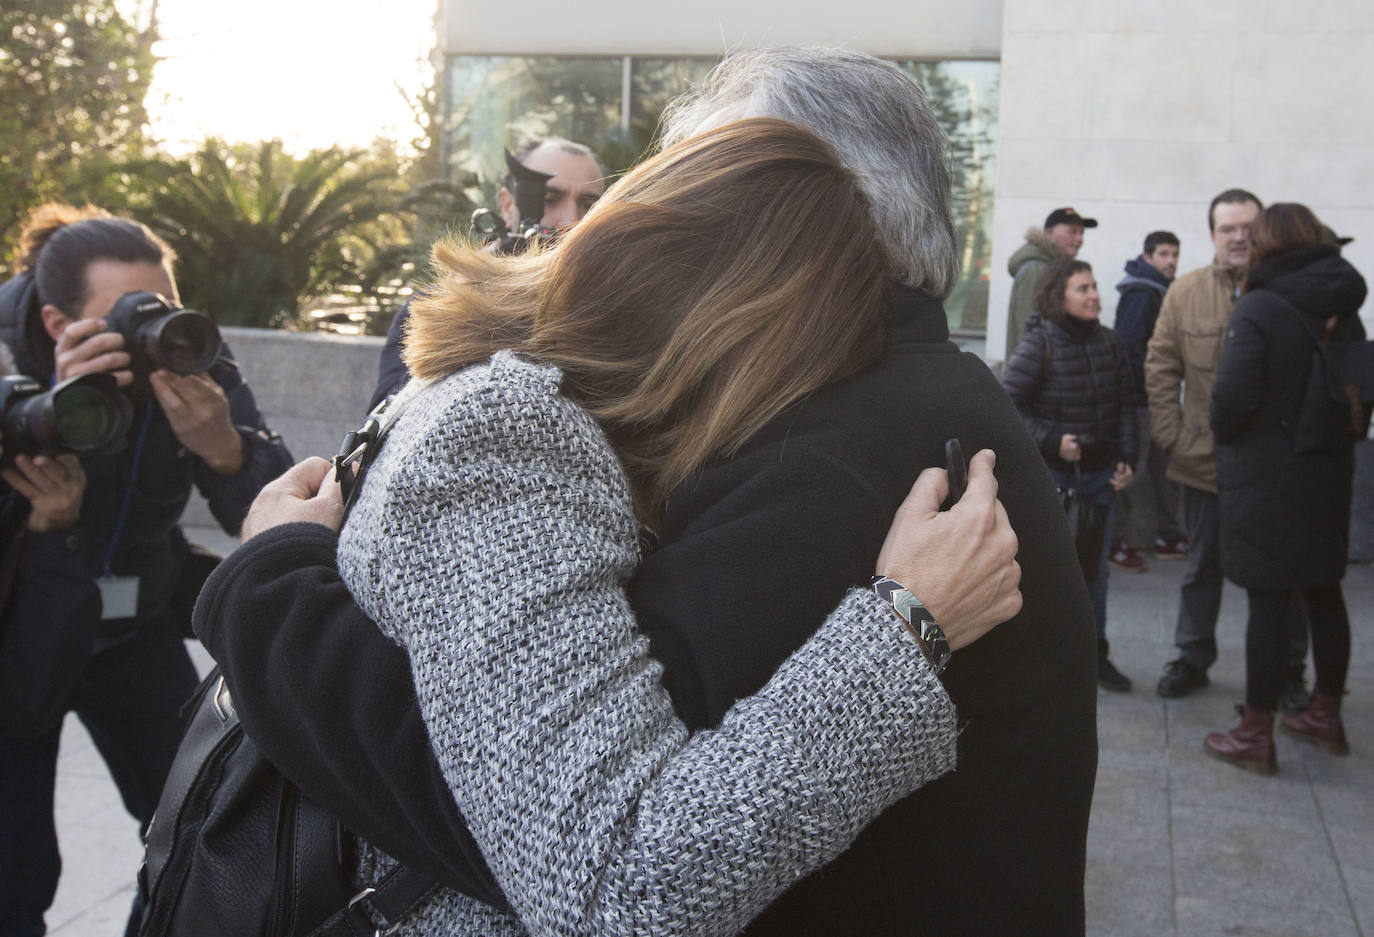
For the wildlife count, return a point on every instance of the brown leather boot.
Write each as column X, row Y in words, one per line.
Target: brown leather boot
column 1319, row 724
column 1249, row 745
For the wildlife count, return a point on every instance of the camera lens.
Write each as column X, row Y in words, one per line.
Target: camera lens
column 86, row 414
column 185, row 342
column 84, row 418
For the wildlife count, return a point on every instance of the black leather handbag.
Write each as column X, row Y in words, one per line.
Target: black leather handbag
column 235, row 848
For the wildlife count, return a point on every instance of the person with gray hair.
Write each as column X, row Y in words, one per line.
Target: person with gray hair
column 880, row 124
column 748, row 558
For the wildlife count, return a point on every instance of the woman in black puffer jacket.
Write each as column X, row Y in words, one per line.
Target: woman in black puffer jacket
column 1070, row 379
column 1285, row 516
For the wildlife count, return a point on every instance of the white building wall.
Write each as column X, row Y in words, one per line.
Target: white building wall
column 894, row 28
column 1138, row 112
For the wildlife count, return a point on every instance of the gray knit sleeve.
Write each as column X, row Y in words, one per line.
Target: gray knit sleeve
column 492, row 541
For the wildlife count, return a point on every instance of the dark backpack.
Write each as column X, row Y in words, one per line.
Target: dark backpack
column 1335, row 408
column 236, row 849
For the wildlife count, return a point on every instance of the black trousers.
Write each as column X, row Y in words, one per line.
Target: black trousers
column 1199, row 600
column 1266, row 643
column 129, row 698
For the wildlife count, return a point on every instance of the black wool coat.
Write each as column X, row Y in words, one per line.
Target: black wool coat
column 754, row 553
column 1285, row 517
column 1081, row 384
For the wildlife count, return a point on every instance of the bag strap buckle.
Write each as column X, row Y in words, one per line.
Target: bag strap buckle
column 375, row 918
column 358, row 450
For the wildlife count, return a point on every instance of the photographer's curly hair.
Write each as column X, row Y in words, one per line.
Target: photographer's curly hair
column 58, row 242
column 710, row 288
column 1053, row 283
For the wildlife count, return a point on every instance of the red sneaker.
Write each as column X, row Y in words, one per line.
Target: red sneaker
column 1176, row 549
column 1126, row 559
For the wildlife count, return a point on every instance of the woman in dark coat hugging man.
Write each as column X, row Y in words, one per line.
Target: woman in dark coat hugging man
column 1070, row 379
column 1285, row 509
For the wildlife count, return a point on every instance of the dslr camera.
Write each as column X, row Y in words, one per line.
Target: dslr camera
column 89, row 415
column 528, row 188
column 85, row 415
column 158, row 334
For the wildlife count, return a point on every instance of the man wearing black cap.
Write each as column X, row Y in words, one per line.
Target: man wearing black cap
column 1062, row 237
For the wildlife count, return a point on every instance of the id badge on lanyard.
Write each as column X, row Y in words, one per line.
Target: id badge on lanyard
column 119, row 594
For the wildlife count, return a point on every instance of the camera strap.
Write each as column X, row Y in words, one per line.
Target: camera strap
column 106, row 571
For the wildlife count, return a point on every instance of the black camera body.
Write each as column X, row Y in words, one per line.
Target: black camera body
column 158, row 334
column 84, row 415
column 527, row 187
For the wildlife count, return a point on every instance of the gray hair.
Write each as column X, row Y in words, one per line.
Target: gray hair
column 877, row 119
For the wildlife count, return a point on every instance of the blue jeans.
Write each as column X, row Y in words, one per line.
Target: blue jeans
column 129, row 698
column 1095, row 487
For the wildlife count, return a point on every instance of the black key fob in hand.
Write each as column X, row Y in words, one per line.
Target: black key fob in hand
column 957, row 467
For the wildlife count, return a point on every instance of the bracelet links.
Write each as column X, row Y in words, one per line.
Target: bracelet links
column 931, row 639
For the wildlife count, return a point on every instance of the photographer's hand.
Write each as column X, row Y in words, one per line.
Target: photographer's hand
column 54, row 486
column 86, row 347
column 306, row 492
column 198, row 413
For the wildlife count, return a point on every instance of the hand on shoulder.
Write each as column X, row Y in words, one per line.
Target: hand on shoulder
column 960, row 563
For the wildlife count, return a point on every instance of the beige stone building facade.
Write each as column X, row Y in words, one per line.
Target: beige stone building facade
column 1135, row 112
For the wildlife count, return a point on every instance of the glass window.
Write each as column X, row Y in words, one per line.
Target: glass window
column 655, row 82
column 964, row 95
column 499, row 101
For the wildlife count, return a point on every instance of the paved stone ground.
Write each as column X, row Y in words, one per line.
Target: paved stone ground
column 1180, row 845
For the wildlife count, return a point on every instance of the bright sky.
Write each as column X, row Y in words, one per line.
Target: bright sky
column 309, row 72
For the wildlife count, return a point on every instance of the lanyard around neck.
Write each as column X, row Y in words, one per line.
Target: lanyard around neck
column 106, row 570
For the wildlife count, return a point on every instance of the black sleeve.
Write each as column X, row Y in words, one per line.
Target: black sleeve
column 1135, row 325
column 1130, row 402
column 1239, row 387
column 1023, row 379
column 265, row 456
column 391, row 370
column 47, row 626
column 721, row 601
column 329, row 700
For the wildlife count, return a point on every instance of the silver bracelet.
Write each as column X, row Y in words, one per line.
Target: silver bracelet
column 932, row 641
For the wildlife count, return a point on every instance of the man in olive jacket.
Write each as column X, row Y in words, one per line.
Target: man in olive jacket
column 1062, row 236
column 1180, row 368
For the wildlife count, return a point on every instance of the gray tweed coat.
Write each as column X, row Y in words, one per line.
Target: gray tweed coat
column 492, row 539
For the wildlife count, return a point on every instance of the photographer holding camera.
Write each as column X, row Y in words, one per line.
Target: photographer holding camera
column 90, row 301
column 49, row 606
column 564, row 179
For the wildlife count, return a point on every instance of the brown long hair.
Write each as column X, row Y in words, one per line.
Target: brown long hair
column 1282, row 227
column 711, row 287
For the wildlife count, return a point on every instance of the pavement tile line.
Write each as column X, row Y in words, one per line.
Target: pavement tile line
column 1169, row 811
column 1331, row 845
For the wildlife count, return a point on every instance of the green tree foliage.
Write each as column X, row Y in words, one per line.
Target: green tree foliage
column 258, row 231
column 73, row 74
column 970, row 124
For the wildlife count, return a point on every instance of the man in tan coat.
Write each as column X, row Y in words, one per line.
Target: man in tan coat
column 1180, row 368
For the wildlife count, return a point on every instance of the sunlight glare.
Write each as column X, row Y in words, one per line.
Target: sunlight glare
column 307, row 72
